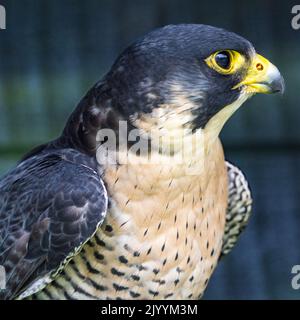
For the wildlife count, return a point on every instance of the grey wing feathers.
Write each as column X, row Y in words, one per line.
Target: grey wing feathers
column 239, row 207
column 49, row 206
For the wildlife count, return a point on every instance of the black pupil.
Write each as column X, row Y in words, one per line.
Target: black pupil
column 223, row 59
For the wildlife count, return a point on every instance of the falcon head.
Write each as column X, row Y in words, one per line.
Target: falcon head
column 182, row 76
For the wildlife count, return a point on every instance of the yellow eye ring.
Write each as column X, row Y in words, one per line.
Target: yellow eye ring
column 225, row 61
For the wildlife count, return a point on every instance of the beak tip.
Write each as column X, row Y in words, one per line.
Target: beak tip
column 278, row 85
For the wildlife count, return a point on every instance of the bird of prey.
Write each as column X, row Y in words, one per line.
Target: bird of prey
column 80, row 219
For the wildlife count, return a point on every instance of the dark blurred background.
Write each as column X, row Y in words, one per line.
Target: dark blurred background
column 53, row 51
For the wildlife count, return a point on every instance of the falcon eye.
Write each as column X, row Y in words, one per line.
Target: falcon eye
column 223, row 59
column 225, row 62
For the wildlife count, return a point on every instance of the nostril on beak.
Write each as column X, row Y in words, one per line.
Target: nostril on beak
column 259, row 67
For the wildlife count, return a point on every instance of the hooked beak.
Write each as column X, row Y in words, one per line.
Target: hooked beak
column 262, row 77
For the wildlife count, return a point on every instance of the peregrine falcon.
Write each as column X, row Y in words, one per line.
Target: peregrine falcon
column 82, row 220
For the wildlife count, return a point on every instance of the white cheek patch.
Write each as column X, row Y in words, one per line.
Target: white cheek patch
column 216, row 123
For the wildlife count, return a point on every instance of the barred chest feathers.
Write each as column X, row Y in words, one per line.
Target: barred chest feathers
column 162, row 235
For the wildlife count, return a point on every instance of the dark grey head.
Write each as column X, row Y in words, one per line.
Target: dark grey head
column 204, row 67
